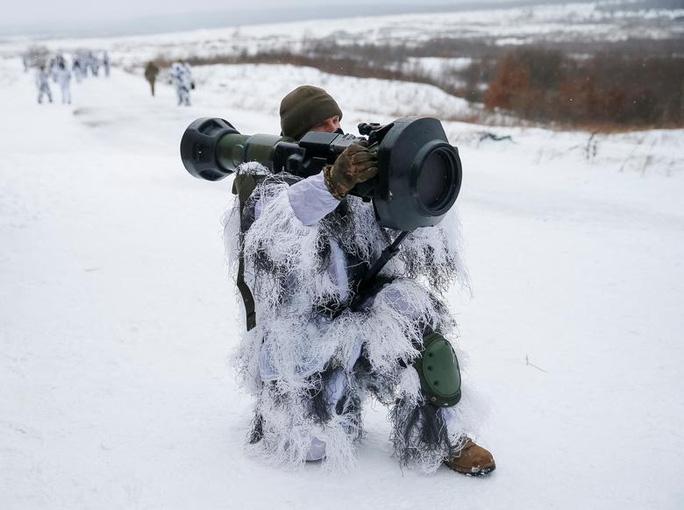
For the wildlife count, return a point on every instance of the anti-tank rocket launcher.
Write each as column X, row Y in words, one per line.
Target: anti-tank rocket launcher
column 419, row 172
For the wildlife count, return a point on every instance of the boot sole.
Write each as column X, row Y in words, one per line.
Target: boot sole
column 480, row 472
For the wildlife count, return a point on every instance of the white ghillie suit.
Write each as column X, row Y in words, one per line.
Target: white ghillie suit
column 304, row 251
column 42, row 84
column 63, row 77
column 182, row 79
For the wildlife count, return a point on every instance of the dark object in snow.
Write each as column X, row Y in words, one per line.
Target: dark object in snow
column 494, row 137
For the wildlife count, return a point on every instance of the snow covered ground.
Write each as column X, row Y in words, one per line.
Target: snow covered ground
column 118, row 316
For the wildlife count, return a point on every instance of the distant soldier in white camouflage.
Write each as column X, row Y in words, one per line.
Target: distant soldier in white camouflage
column 42, row 82
column 181, row 77
column 92, row 64
column 106, row 63
column 77, row 68
column 63, row 78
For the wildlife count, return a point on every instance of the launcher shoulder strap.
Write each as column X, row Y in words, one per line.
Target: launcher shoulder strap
column 243, row 186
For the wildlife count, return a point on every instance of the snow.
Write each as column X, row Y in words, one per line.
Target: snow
column 118, row 315
column 245, row 86
column 436, row 67
column 580, row 21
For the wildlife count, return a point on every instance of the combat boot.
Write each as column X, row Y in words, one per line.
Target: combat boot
column 471, row 459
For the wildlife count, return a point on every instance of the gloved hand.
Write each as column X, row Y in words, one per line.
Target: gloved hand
column 356, row 164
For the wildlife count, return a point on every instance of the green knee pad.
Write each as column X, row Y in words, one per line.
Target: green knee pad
column 440, row 376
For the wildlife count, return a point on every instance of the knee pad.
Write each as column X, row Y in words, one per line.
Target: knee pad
column 437, row 367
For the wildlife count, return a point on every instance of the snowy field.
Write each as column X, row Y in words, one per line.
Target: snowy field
column 118, row 315
column 615, row 20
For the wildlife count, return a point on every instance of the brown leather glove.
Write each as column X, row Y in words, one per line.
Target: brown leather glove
column 356, row 164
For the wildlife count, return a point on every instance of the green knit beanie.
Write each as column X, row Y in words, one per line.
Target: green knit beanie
column 305, row 107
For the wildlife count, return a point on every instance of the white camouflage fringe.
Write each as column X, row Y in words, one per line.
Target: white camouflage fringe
column 284, row 360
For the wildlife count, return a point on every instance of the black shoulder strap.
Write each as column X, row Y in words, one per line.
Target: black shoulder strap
column 243, row 186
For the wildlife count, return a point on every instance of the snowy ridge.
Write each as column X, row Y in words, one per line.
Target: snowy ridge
column 508, row 25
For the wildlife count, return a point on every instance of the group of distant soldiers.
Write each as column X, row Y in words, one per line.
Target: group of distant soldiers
column 84, row 63
column 180, row 76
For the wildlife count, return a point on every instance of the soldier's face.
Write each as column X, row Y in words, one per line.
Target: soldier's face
column 330, row 125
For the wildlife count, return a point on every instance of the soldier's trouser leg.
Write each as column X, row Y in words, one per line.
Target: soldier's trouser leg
column 44, row 90
column 334, row 399
column 426, row 430
column 185, row 95
column 66, row 95
column 322, row 423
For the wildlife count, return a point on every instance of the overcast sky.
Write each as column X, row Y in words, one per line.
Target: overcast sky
column 44, row 12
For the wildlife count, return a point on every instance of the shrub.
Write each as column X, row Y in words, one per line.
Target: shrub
column 619, row 90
